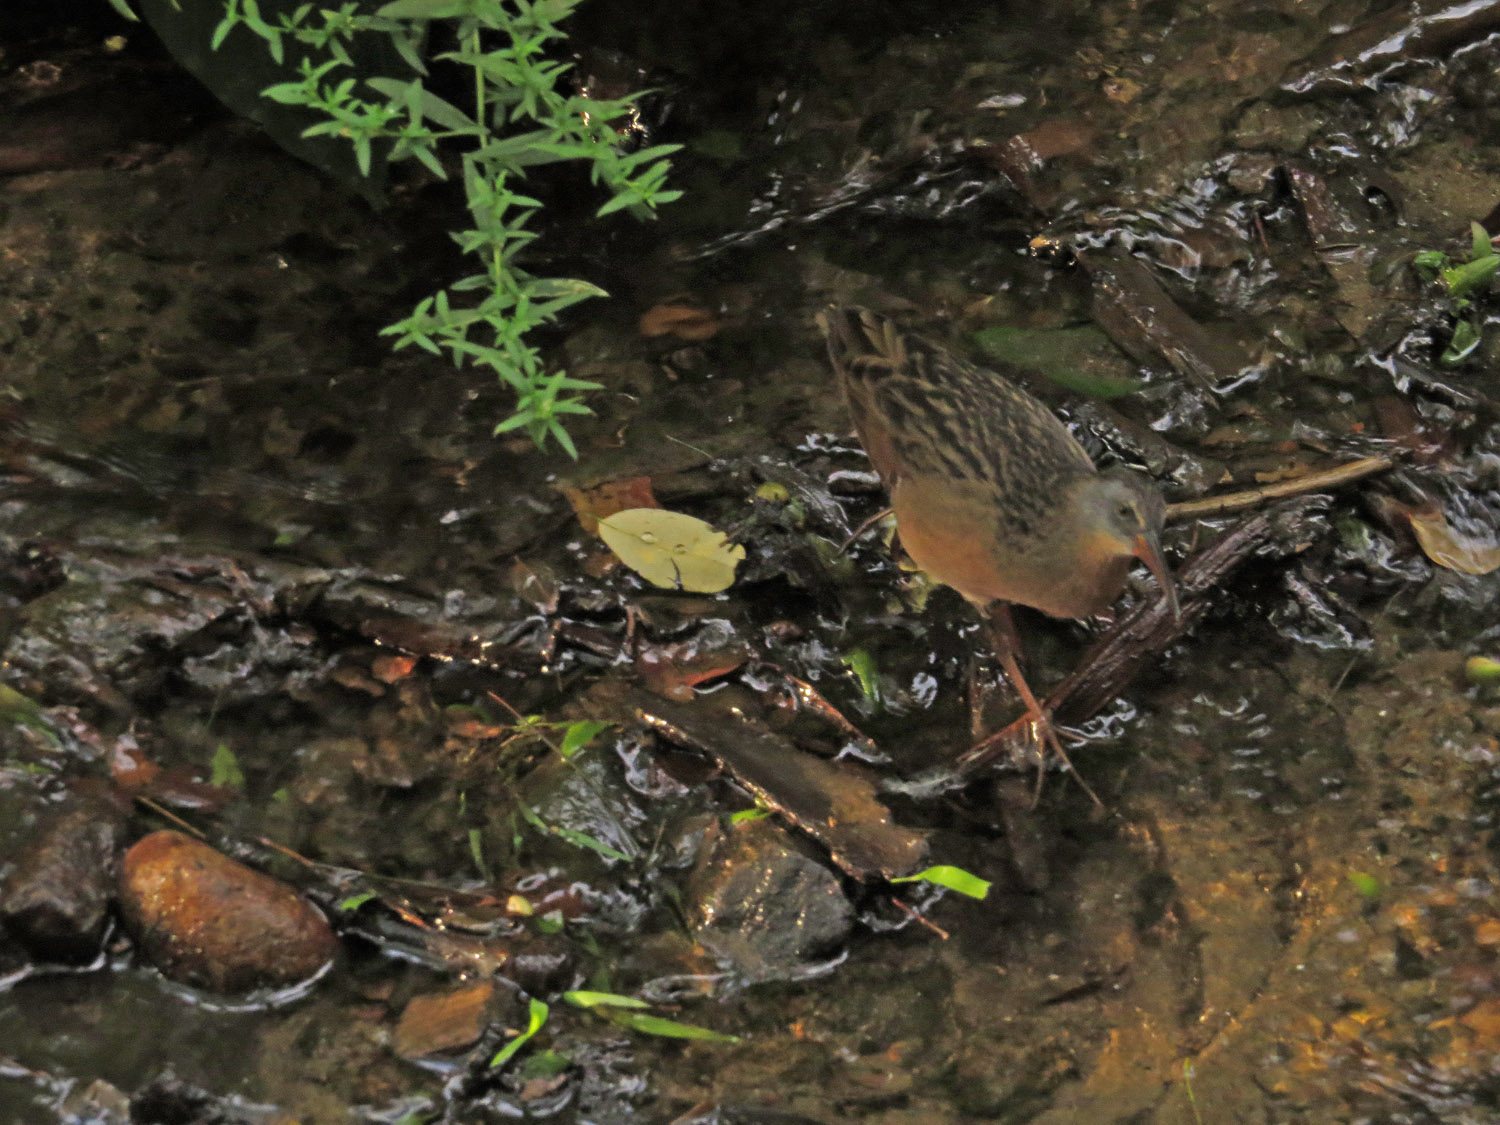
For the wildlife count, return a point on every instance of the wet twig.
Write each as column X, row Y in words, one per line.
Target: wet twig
column 920, row 919
column 1297, row 486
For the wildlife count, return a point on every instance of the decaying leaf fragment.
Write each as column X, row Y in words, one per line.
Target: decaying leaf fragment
column 672, row 550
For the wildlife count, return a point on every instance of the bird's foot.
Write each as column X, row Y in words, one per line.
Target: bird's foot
column 1028, row 742
column 1044, row 733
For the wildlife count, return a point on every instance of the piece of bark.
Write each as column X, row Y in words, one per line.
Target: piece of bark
column 834, row 804
column 1141, row 317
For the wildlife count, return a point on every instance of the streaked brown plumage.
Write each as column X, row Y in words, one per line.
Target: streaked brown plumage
column 991, row 493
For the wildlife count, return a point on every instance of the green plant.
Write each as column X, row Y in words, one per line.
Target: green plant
column 627, row 1011
column 1463, row 281
column 517, row 116
column 537, row 1012
column 566, row 739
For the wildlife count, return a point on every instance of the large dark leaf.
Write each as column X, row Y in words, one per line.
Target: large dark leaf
column 242, row 67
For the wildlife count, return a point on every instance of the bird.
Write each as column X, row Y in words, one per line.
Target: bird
column 992, row 495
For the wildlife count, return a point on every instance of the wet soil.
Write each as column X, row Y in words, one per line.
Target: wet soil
column 283, row 588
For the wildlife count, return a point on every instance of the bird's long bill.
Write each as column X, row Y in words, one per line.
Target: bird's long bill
column 1148, row 550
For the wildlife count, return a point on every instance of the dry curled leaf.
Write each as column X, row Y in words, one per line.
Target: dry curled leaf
column 444, row 1021
column 537, row 583
column 1449, row 547
column 672, row 550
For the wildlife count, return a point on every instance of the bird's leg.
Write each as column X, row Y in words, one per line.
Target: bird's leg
column 862, row 528
column 1007, row 646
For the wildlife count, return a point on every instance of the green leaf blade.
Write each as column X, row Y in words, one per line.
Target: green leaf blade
column 954, row 878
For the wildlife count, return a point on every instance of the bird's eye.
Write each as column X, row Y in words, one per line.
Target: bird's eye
column 1126, row 512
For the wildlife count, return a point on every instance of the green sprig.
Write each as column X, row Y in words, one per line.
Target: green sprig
column 520, row 117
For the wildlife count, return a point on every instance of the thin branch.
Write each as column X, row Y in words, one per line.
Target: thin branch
column 1308, row 482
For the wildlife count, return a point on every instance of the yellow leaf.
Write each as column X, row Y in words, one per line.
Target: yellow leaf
column 672, row 550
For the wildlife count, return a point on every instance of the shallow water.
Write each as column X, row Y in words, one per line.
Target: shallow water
column 1285, row 910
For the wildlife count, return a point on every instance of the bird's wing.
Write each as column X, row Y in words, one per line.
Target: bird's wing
column 922, row 411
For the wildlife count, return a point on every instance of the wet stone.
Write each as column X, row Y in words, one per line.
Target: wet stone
column 438, row 1022
column 56, row 898
column 759, row 902
column 208, row 921
column 542, row 964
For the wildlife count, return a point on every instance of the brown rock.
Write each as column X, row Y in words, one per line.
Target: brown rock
column 444, row 1021
column 206, row 920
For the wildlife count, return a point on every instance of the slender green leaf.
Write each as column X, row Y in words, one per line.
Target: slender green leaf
column 514, row 422
column 423, row 9
column 862, row 664
column 1481, row 246
column 617, row 203
column 1466, row 339
column 476, row 851
column 23, row 711
column 954, row 878
column 430, row 160
column 434, row 108
column 564, row 287
column 669, row 1029
column 572, row 836
column 584, row 999
column 630, row 1012
column 537, row 1012
column 584, row 840
column 406, row 47
column 554, row 428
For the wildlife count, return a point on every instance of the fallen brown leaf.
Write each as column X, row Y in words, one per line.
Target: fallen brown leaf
column 1449, row 547
column 390, row 668
column 687, row 322
column 674, row 670
column 604, row 500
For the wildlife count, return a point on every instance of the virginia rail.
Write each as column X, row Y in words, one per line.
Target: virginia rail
column 992, row 494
